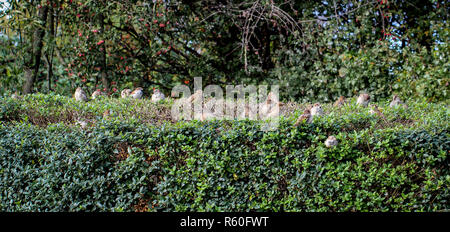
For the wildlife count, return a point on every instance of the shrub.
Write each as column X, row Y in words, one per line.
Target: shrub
column 229, row 165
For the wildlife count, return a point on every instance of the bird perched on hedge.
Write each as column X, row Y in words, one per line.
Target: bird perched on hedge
column 125, row 93
column 214, row 106
column 195, row 99
column 316, row 110
column 15, row 95
column 396, row 101
column 271, row 98
column 83, row 124
column 80, row 95
column 198, row 95
column 137, row 93
column 305, row 117
column 268, row 108
column 331, row 141
column 375, row 110
column 340, row 102
column 157, row 95
column 363, row 100
column 97, row 93
column 106, row 114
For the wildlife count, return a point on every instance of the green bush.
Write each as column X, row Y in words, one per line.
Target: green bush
column 397, row 164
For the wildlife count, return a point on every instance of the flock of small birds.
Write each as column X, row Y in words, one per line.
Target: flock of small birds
column 138, row 93
column 363, row 101
column 267, row 109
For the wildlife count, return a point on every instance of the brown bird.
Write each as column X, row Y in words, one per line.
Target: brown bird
column 80, row 95
column 375, row 110
column 106, row 114
column 316, row 110
column 198, row 95
column 363, row 100
column 125, row 93
column 157, row 95
column 268, row 109
column 340, row 102
column 83, row 123
column 271, row 98
column 331, row 141
column 396, row 101
column 306, row 116
column 137, row 93
column 97, row 93
column 15, row 95
column 216, row 107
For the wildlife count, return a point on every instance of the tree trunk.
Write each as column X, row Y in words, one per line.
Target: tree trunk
column 267, row 61
column 32, row 66
column 28, row 73
column 104, row 71
column 49, row 57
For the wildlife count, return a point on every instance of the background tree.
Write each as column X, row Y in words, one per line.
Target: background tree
column 316, row 50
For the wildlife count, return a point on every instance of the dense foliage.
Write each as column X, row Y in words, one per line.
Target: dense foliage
column 316, row 50
column 57, row 154
column 397, row 163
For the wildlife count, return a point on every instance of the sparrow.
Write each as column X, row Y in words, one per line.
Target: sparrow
column 195, row 102
column 97, row 93
column 331, row 141
column 396, row 101
column 268, row 108
column 375, row 110
column 198, row 95
column 340, row 102
column 214, row 106
column 316, row 110
column 106, row 114
column 15, row 95
column 137, row 93
column 125, row 93
column 83, row 124
column 157, row 96
column 271, row 98
column 80, row 95
column 306, row 116
column 363, row 100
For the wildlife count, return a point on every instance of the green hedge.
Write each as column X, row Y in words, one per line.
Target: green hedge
column 116, row 167
column 229, row 165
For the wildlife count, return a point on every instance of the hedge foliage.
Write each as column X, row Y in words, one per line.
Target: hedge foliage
column 400, row 163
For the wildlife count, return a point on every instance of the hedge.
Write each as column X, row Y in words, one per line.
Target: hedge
column 119, row 165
